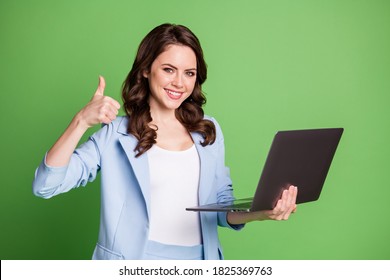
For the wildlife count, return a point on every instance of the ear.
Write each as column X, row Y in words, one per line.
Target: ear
column 145, row 74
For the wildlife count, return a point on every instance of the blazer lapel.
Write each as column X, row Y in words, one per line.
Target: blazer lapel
column 207, row 168
column 139, row 164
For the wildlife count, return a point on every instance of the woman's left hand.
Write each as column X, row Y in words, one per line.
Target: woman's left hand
column 282, row 211
column 284, row 207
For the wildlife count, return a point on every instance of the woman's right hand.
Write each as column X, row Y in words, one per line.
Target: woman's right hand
column 100, row 109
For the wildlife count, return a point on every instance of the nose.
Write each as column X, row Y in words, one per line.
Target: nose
column 177, row 81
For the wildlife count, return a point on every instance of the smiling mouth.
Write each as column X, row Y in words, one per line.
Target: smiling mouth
column 173, row 94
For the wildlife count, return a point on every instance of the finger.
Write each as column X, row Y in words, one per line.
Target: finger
column 108, row 105
column 291, row 198
column 109, row 112
column 295, row 195
column 278, row 210
column 284, row 210
column 289, row 206
column 112, row 113
column 291, row 202
column 114, row 106
column 114, row 103
column 106, row 118
column 101, row 86
column 284, row 201
column 273, row 213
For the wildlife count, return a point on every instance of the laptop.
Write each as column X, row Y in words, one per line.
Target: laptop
column 297, row 157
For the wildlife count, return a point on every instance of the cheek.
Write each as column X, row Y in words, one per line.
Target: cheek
column 189, row 82
column 160, row 79
column 191, row 86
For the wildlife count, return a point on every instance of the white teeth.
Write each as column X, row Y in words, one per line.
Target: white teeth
column 173, row 93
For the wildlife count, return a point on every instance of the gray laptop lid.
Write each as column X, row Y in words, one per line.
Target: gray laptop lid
column 296, row 157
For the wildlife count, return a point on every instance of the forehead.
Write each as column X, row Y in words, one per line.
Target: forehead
column 177, row 55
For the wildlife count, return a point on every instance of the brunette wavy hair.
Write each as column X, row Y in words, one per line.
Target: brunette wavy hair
column 136, row 91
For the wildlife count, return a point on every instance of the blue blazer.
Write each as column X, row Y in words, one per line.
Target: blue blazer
column 125, row 189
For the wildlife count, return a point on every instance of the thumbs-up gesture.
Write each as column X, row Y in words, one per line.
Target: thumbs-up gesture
column 100, row 109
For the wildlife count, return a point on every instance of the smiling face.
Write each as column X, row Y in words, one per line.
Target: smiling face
column 172, row 78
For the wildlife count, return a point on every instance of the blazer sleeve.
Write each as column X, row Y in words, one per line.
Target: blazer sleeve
column 224, row 182
column 83, row 167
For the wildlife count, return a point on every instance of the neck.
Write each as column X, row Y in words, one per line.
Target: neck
column 163, row 116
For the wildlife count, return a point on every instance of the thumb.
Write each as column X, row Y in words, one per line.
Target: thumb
column 101, row 86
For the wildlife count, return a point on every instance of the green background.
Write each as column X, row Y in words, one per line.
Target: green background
column 273, row 65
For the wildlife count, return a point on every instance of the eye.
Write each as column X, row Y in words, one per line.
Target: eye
column 191, row 73
column 168, row 70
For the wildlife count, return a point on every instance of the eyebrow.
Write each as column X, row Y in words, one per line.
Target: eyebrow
column 174, row 67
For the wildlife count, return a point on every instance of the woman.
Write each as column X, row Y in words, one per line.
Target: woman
column 162, row 157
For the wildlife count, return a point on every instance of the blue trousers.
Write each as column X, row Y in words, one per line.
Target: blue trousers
column 158, row 251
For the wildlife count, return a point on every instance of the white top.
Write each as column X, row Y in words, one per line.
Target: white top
column 174, row 180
